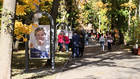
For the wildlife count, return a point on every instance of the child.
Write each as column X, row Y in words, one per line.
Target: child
column 39, row 46
column 40, row 36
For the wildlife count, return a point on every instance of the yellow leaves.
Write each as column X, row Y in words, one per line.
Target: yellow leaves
column 100, row 4
column 45, row 5
column 33, row 7
column 46, row 8
column 35, row 25
column 81, row 3
column 47, row 0
column 129, row 5
column 17, row 23
column 30, row 4
column 134, row 18
column 25, row 39
column 16, row 32
column 21, row 29
column 124, row 5
column 103, row 11
column 104, row 17
column 36, row 2
column 27, row 1
column 20, row 9
column 19, row 37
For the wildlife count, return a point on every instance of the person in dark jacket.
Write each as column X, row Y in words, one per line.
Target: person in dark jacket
column 75, row 44
column 82, row 43
column 86, row 38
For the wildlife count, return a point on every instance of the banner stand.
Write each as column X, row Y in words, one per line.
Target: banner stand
column 52, row 44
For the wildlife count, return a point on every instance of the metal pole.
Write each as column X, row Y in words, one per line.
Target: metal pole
column 26, row 54
column 52, row 39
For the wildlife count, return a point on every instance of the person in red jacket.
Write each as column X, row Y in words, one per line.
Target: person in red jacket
column 60, row 41
column 66, row 41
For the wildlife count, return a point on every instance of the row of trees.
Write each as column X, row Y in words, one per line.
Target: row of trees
column 104, row 15
column 118, row 14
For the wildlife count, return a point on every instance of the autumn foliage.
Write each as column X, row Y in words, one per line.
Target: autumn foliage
column 21, row 10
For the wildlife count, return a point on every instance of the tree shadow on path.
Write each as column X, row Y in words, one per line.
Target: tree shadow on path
column 94, row 57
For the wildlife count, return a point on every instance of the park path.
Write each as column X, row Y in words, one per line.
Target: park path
column 116, row 64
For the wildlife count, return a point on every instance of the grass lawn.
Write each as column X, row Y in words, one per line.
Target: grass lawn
column 37, row 67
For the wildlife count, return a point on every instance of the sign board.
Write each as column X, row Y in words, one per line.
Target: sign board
column 39, row 42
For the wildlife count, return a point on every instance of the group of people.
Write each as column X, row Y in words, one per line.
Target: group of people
column 63, row 42
column 106, row 39
column 103, row 39
column 76, row 42
column 79, row 39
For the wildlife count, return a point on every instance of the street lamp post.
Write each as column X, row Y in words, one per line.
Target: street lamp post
column 52, row 39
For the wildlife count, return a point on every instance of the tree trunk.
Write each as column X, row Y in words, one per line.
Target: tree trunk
column 136, row 11
column 129, row 22
column 99, row 23
column 139, row 11
column 129, row 19
column 137, row 36
column 6, row 38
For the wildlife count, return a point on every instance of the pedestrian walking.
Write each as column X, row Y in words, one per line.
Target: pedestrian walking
column 60, row 41
column 102, row 41
column 82, row 44
column 66, row 41
column 98, row 36
column 75, row 44
column 109, row 41
column 70, row 37
column 86, row 38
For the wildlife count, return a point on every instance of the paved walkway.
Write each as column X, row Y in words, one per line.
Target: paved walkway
column 117, row 64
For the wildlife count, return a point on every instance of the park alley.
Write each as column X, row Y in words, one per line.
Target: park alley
column 95, row 64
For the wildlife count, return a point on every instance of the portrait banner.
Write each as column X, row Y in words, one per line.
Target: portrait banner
column 39, row 43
